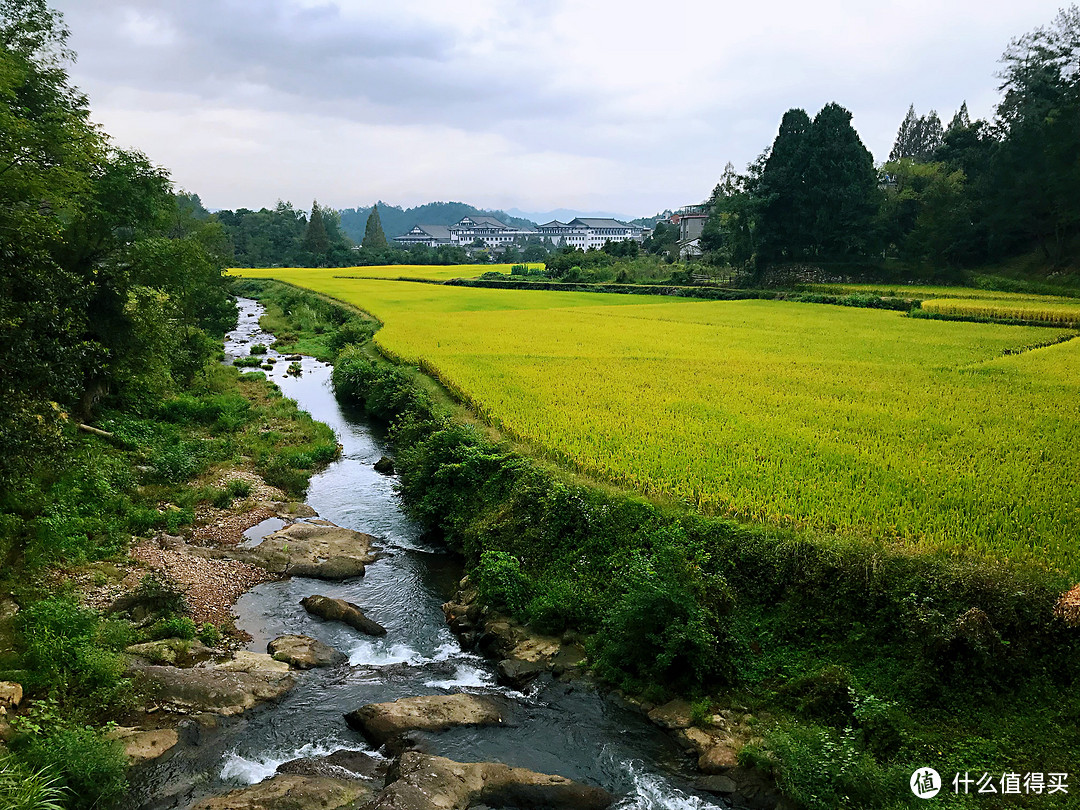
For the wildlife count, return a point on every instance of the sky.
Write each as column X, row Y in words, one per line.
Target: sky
column 630, row 107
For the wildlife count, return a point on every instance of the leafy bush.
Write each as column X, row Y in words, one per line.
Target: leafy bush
column 173, row 627
column 158, row 595
column 556, row 607
column 384, row 391
column 209, row 634
column 257, row 348
column 178, row 462
column 352, row 331
column 92, row 768
column 502, row 583
column 667, row 624
column 64, row 652
column 821, row 769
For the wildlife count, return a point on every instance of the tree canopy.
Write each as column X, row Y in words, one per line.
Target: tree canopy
column 109, row 285
column 374, row 238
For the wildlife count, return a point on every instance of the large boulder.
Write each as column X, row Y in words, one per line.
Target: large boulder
column 380, row 722
column 421, row 782
column 338, row 610
column 293, row 792
column 143, row 746
column 343, row 764
column 304, row 652
column 319, row 550
column 517, row 674
column 229, row 688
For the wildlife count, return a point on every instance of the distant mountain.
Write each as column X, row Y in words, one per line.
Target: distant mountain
column 397, row 220
column 563, row 215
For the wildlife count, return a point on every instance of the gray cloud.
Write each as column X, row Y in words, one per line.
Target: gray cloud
column 610, row 104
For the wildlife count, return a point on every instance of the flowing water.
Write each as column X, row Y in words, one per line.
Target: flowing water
column 566, row 729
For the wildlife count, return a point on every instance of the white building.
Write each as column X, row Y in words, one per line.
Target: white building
column 430, row 235
column 589, row 232
column 490, row 231
column 581, row 232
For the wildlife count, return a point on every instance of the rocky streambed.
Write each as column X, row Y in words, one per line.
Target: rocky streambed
column 356, row 689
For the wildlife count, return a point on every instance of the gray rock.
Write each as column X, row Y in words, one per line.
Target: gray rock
column 338, row 610
column 312, row 549
column 341, row 764
column 379, row 722
column 334, row 569
column 720, row 785
column 385, row 465
column 304, row 652
column 293, row 792
column 422, row 782
column 144, row 746
column 518, row 674
column 205, row 689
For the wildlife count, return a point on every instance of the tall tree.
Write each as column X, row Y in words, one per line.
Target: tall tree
column 906, row 137
column 930, row 136
column 961, row 120
column 373, row 232
column 842, row 188
column 785, row 206
column 1037, row 167
column 316, row 241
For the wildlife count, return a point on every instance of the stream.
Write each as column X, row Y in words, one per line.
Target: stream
column 569, row 729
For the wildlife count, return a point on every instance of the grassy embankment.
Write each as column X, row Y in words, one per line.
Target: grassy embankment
column 76, row 523
column 870, row 657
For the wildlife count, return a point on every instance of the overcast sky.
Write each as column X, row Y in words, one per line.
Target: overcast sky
column 629, row 107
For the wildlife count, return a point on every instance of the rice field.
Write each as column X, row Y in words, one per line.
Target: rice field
column 425, row 272
column 923, row 433
column 925, row 291
column 1055, row 312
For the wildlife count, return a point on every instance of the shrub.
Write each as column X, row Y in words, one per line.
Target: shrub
column 821, row 769
column 667, row 623
column 352, row 331
column 556, row 607
column 209, row 635
column 65, row 651
column 177, row 463
column 502, row 583
column 257, row 348
column 159, row 596
column 92, row 768
column 173, row 627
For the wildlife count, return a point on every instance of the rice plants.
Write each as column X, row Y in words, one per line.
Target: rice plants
column 930, row 434
column 1065, row 313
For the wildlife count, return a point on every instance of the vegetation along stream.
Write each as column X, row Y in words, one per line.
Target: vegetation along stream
column 568, row 729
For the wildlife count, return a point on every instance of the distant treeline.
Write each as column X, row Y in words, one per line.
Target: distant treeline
column 288, row 237
column 975, row 193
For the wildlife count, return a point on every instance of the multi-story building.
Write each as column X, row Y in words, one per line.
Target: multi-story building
column 490, row 231
column 589, row 232
column 581, row 232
